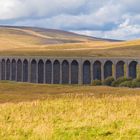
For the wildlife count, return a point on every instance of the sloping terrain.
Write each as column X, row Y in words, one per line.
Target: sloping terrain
column 40, row 36
column 50, row 42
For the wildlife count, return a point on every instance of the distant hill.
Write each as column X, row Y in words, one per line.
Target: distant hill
column 50, row 42
column 49, row 36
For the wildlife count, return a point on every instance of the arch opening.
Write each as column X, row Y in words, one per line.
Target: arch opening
column 56, row 72
column 13, row 69
column 97, row 70
column 25, row 71
column 108, row 69
column 133, row 69
column 86, row 73
column 41, row 71
column 33, row 71
column 48, row 72
column 120, row 69
column 74, row 72
column 3, row 69
column 8, row 69
column 19, row 70
column 65, row 72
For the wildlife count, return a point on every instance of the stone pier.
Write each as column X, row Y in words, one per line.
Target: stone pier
column 65, row 70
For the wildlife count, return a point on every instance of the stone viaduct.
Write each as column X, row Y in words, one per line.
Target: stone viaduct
column 64, row 70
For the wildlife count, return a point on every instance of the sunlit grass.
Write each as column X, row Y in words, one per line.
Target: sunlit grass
column 56, row 112
column 23, row 42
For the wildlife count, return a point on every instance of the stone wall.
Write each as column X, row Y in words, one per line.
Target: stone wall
column 64, row 70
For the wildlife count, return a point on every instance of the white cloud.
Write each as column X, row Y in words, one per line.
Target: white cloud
column 103, row 18
column 37, row 8
column 121, row 33
column 7, row 10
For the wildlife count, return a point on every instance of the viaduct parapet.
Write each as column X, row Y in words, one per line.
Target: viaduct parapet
column 65, row 70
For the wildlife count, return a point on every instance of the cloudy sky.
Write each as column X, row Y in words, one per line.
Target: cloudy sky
column 116, row 19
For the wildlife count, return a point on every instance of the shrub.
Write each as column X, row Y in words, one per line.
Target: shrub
column 137, row 80
column 135, row 83
column 120, row 80
column 126, row 84
column 97, row 83
column 108, row 81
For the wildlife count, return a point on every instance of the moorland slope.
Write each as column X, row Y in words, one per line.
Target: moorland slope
column 38, row 41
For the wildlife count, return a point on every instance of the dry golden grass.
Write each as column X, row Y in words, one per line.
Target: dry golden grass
column 55, row 112
column 16, row 41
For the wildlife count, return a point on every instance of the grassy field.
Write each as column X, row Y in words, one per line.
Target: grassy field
column 54, row 112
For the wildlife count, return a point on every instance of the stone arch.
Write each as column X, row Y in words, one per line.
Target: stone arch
column 65, row 72
column 33, row 71
column 133, row 69
column 19, row 70
column 120, row 69
column 3, row 69
column 8, row 69
column 40, row 71
column 86, row 72
column 25, row 71
column 74, row 72
column 108, row 69
column 56, row 72
column 13, row 70
column 97, row 70
column 48, row 71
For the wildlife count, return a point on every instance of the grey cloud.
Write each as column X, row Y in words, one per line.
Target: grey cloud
column 103, row 18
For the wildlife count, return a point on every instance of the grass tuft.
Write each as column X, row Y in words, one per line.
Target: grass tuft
column 57, row 112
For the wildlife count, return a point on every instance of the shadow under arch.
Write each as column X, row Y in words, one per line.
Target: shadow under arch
column 33, row 71
column 86, row 72
column 120, row 69
column 48, row 72
column 19, row 70
column 3, row 68
column 65, row 72
column 56, row 72
column 97, row 70
column 74, row 72
column 13, row 70
column 8, row 69
column 133, row 69
column 25, row 70
column 40, row 71
column 108, row 69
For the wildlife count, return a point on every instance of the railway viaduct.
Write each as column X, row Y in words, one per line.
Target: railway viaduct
column 65, row 70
